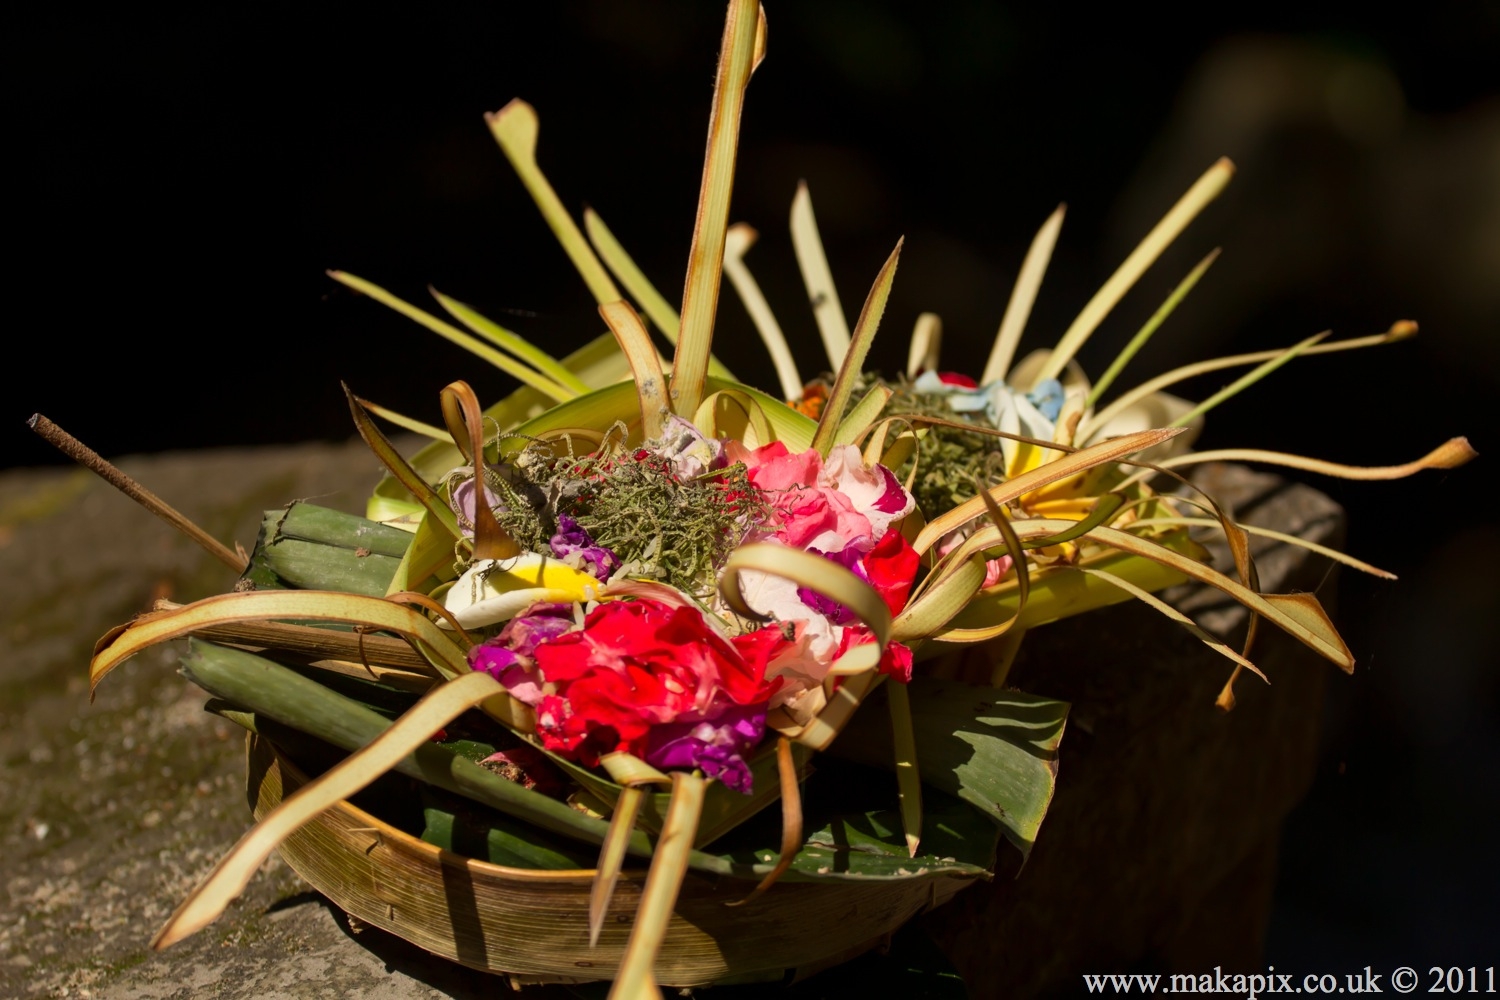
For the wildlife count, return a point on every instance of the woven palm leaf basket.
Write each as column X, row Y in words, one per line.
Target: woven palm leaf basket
column 646, row 675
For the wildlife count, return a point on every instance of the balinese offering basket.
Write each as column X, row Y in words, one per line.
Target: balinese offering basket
column 489, row 916
column 645, row 674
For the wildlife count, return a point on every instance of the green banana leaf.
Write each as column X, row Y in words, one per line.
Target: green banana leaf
column 994, row 749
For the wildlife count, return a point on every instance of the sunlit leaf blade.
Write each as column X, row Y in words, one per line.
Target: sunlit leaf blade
column 1280, row 536
column 297, row 605
column 825, row 727
column 329, row 650
column 1203, row 191
column 430, row 558
column 509, row 341
column 521, row 373
column 635, row 344
column 936, row 604
column 808, row 570
column 791, row 817
column 816, row 275
column 996, row 750
column 466, row 424
column 1022, row 297
column 1092, row 426
column 923, row 353
column 1054, row 471
column 728, row 413
column 406, row 423
column 700, row 294
column 437, row 509
column 515, row 128
column 1245, row 381
column 659, row 897
column 862, row 414
column 1151, row 600
column 737, row 241
column 1448, row 455
column 908, row 779
column 1023, row 571
column 1152, row 325
column 1056, row 595
column 624, row 268
column 853, row 364
column 619, row 402
column 639, row 287
column 1302, row 618
column 611, row 856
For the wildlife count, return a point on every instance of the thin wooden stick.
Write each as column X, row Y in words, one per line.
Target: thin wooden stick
column 95, row 463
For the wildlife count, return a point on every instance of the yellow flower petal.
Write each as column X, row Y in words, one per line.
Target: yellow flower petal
column 495, row 590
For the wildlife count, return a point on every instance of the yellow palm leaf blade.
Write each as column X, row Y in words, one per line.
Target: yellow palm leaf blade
column 510, row 341
column 1399, row 331
column 462, row 414
column 1062, row 468
column 815, row 572
column 791, row 819
column 234, row 871
column 1246, row 380
column 1152, row 325
column 729, row 413
column 1023, row 572
column 938, row 602
column 1207, row 638
column 645, row 365
column 854, row 358
column 816, row 275
column 305, row 605
column 863, row 414
column 737, row 242
column 1280, row 536
column 624, row 268
column 842, row 704
column 1203, row 191
column 612, row 857
column 908, row 778
column 515, row 128
column 1299, row 615
column 926, row 344
column 1448, row 455
column 1023, row 297
column 650, row 301
column 669, row 864
column 406, row 423
column 522, row 373
column 700, row 294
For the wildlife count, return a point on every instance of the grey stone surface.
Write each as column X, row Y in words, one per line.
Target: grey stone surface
column 109, row 812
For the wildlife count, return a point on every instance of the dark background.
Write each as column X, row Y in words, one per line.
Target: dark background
column 180, row 183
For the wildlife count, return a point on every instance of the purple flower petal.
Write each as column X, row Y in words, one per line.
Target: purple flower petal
column 571, row 537
column 714, row 746
column 839, row 614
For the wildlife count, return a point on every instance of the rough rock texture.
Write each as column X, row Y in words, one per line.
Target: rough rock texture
column 1159, row 849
